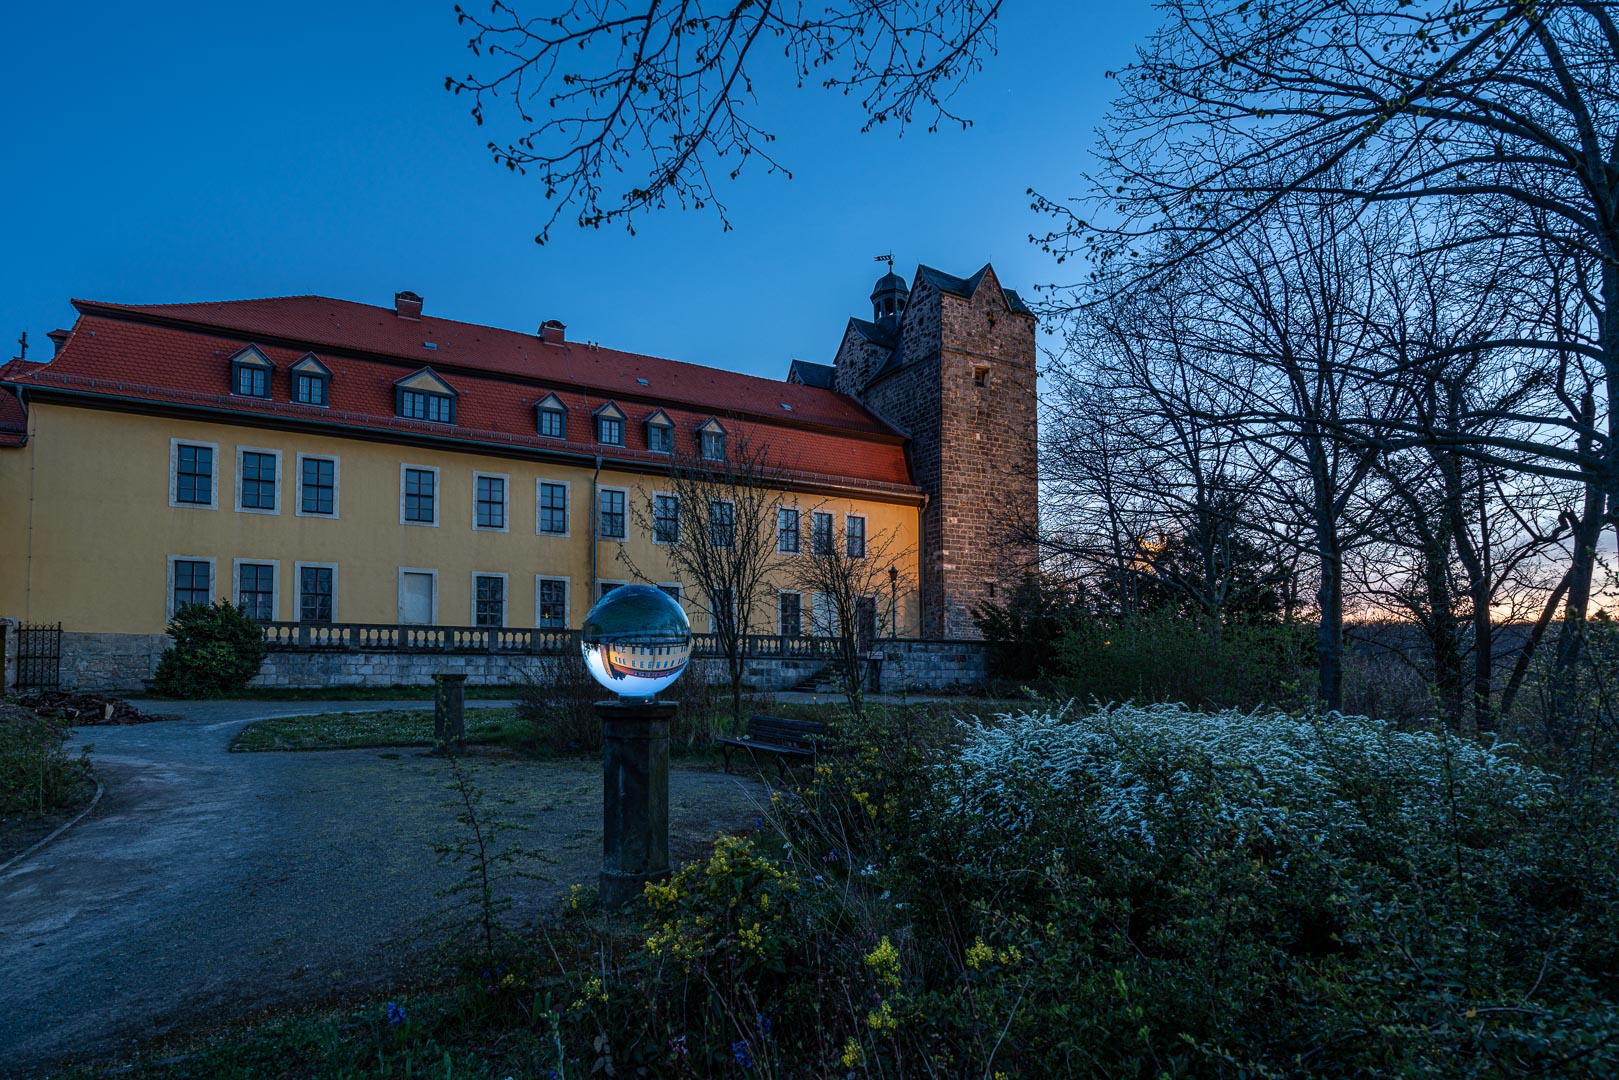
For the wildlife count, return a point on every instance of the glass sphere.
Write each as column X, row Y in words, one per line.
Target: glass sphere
column 636, row 641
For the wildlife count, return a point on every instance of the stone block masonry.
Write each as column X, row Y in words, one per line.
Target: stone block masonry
column 127, row 662
column 961, row 387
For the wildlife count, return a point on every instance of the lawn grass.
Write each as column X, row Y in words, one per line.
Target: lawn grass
column 360, row 693
column 414, row 727
column 353, row 731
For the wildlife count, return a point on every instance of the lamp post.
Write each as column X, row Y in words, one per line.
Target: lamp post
column 893, row 602
column 636, row 642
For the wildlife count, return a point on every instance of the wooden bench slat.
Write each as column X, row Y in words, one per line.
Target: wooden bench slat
column 778, row 735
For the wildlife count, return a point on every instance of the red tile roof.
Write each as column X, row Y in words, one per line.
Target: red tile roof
column 318, row 322
column 13, row 422
column 166, row 355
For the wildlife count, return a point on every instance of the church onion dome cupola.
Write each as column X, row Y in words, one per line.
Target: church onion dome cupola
column 888, row 298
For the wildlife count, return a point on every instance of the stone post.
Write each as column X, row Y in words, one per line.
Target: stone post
column 635, row 797
column 449, row 709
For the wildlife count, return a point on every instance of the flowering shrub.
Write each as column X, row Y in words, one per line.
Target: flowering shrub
column 728, row 915
column 1259, row 891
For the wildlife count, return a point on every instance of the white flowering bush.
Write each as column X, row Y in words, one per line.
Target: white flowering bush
column 1237, row 778
column 1229, row 892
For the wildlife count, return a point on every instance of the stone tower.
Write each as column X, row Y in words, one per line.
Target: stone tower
column 950, row 363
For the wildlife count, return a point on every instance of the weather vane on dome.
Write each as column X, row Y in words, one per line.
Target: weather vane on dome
column 889, row 259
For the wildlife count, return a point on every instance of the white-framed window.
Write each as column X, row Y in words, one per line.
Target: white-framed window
column 426, row 405
column 489, row 497
column 605, row 586
column 787, row 533
column 610, row 512
column 255, row 587
column 553, row 417
column 672, row 588
column 551, row 507
column 722, row 523
column 418, row 596
column 190, row 580
column 418, row 495
column 319, row 478
column 551, row 602
column 193, row 474
column 823, row 615
column 258, row 480
column 854, row 536
column 665, row 518
column 821, row 534
column 711, row 440
column 660, row 434
column 317, row 591
column 488, row 599
column 789, row 614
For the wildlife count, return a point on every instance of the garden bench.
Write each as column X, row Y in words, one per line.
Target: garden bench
column 785, row 738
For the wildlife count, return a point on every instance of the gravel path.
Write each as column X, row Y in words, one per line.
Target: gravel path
column 209, row 884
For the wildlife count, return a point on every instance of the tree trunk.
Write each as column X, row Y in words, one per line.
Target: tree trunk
column 1330, row 634
column 1525, row 657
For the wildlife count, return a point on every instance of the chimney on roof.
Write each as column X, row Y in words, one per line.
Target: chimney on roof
column 58, row 339
column 407, row 305
column 552, row 332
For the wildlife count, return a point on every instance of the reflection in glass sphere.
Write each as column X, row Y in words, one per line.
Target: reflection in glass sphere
column 636, row 640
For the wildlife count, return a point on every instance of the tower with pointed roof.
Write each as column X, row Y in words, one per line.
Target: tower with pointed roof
column 950, row 363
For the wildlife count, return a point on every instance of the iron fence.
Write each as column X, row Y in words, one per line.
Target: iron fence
column 39, row 656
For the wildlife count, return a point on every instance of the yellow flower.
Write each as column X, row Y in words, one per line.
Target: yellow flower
column 882, row 1018
column 884, row 963
column 979, row 954
column 852, row 1054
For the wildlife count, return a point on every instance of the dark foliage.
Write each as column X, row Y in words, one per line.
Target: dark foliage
column 217, row 650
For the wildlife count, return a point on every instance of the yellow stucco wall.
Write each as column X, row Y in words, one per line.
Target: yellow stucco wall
column 15, row 465
column 103, row 530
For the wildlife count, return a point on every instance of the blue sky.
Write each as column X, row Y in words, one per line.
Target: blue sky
column 175, row 152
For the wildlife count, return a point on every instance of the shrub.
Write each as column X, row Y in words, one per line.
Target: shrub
column 36, row 772
column 217, row 650
column 1255, row 892
column 1164, row 657
column 1021, row 635
column 557, row 699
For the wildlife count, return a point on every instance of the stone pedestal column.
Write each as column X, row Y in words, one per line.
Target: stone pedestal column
column 635, row 797
column 449, row 709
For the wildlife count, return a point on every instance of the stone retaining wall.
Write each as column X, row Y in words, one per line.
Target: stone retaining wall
column 110, row 661
column 126, row 662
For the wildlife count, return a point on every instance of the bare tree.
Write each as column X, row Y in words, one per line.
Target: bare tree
column 848, row 577
column 661, row 93
column 716, row 526
column 1501, row 118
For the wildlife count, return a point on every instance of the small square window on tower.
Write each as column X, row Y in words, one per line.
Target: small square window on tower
column 981, row 375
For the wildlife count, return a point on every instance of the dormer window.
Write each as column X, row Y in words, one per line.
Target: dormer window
column 425, row 396
column 250, row 373
column 553, row 417
column 711, row 441
column 311, row 382
column 610, row 425
column 660, row 433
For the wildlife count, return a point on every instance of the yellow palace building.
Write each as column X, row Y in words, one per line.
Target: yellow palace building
column 326, row 463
